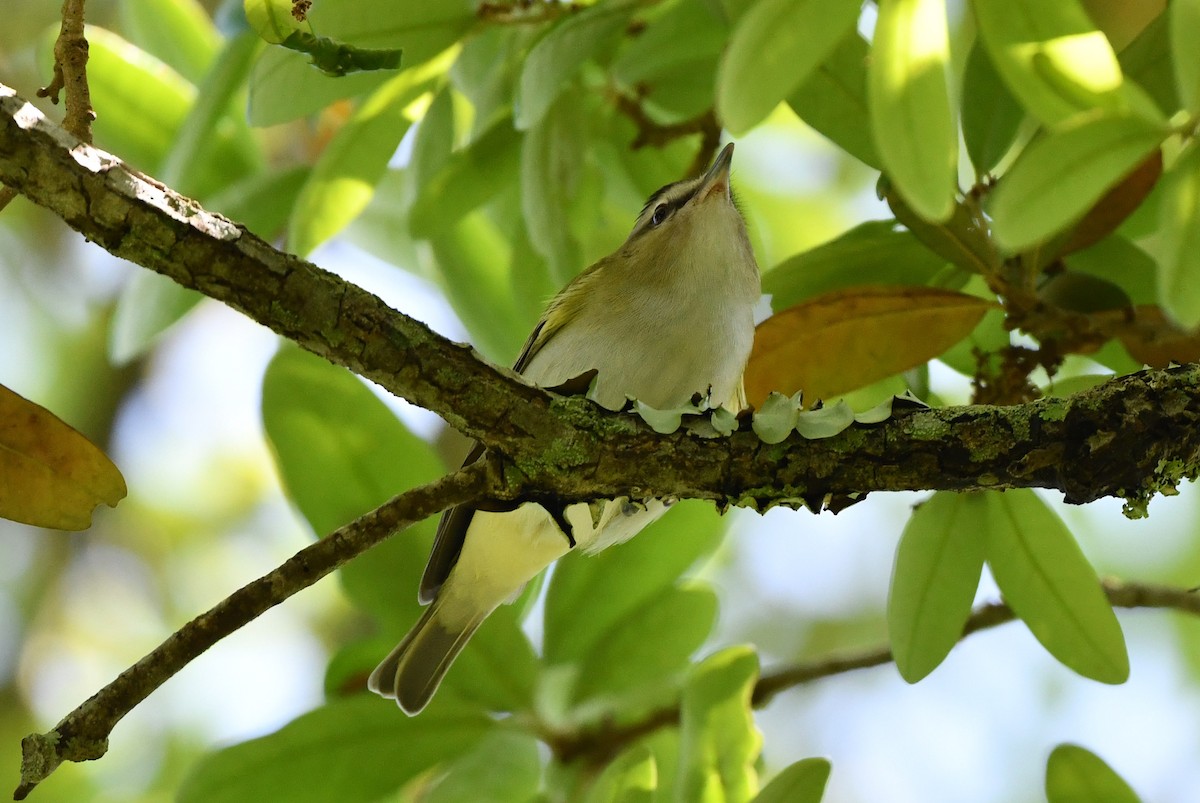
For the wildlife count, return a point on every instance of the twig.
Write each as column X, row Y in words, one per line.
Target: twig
column 70, row 73
column 83, row 734
column 651, row 132
column 598, row 745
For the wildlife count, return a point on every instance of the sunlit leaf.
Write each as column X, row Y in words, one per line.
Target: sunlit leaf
column 642, row 567
column 50, row 475
column 990, row 114
column 833, row 100
column 558, row 55
column 773, row 48
column 938, row 564
column 846, row 339
column 719, row 743
column 801, row 782
column 272, row 20
column 343, row 179
column 1179, row 241
column 1053, row 58
column 472, row 258
column 911, row 115
column 191, row 166
column 1077, row 775
column 631, row 778
column 180, row 32
column 1050, row 585
column 1185, row 33
column 354, row 749
column 1058, row 178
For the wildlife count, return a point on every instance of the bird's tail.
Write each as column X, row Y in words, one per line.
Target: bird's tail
column 414, row 669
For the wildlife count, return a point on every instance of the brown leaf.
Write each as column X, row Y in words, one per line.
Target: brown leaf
column 1156, row 341
column 844, row 340
column 50, row 475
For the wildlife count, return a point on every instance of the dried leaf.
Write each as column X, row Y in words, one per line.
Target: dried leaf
column 1116, row 205
column 846, row 339
column 50, row 475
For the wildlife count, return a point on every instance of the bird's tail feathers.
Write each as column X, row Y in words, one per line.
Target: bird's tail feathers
column 412, row 672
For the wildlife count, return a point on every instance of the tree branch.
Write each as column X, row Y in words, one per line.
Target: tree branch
column 602, row 743
column 83, row 734
column 1131, row 437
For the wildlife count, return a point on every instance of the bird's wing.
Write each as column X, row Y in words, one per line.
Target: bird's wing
column 452, row 529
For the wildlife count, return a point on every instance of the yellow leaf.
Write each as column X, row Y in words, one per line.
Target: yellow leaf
column 50, row 475
column 841, row 341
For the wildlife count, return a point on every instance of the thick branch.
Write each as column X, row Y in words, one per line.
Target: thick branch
column 1130, row 437
column 602, row 743
column 83, row 734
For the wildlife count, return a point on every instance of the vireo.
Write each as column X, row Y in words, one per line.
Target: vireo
column 669, row 314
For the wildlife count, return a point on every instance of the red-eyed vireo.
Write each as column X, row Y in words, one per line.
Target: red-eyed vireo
column 668, row 315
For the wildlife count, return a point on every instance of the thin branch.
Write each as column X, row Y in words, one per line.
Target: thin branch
column 70, row 72
column 656, row 134
column 1131, row 437
column 598, row 745
column 83, row 734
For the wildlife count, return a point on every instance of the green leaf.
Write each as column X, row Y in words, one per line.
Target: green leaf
column 1059, row 177
column 719, row 743
column 505, row 763
column 284, row 86
column 469, row 178
column 472, row 256
column 642, row 568
column 193, row 166
column 343, row 180
column 261, row 202
column 801, row 782
column 631, row 778
column 648, row 645
column 774, row 47
column 1179, row 241
column 340, row 453
column 1118, row 261
column 875, row 252
column 354, row 749
column 1147, row 60
column 149, row 304
column 911, row 116
column 833, row 100
column 1185, row 33
column 1046, row 579
column 681, row 43
column 551, row 157
column 556, row 58
column 179, row 32
column 1077, row 775
column 1054, row 60
column 272, row 20
column 990, row 114
column 938, row 563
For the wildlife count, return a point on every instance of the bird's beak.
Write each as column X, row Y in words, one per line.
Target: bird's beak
column 716, row 180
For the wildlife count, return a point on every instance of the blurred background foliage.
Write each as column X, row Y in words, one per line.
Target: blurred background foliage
column 513, row 148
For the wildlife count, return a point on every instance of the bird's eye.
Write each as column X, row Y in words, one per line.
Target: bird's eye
column 660, row 214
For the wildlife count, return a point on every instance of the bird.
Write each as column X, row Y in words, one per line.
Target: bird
column 666, row 316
